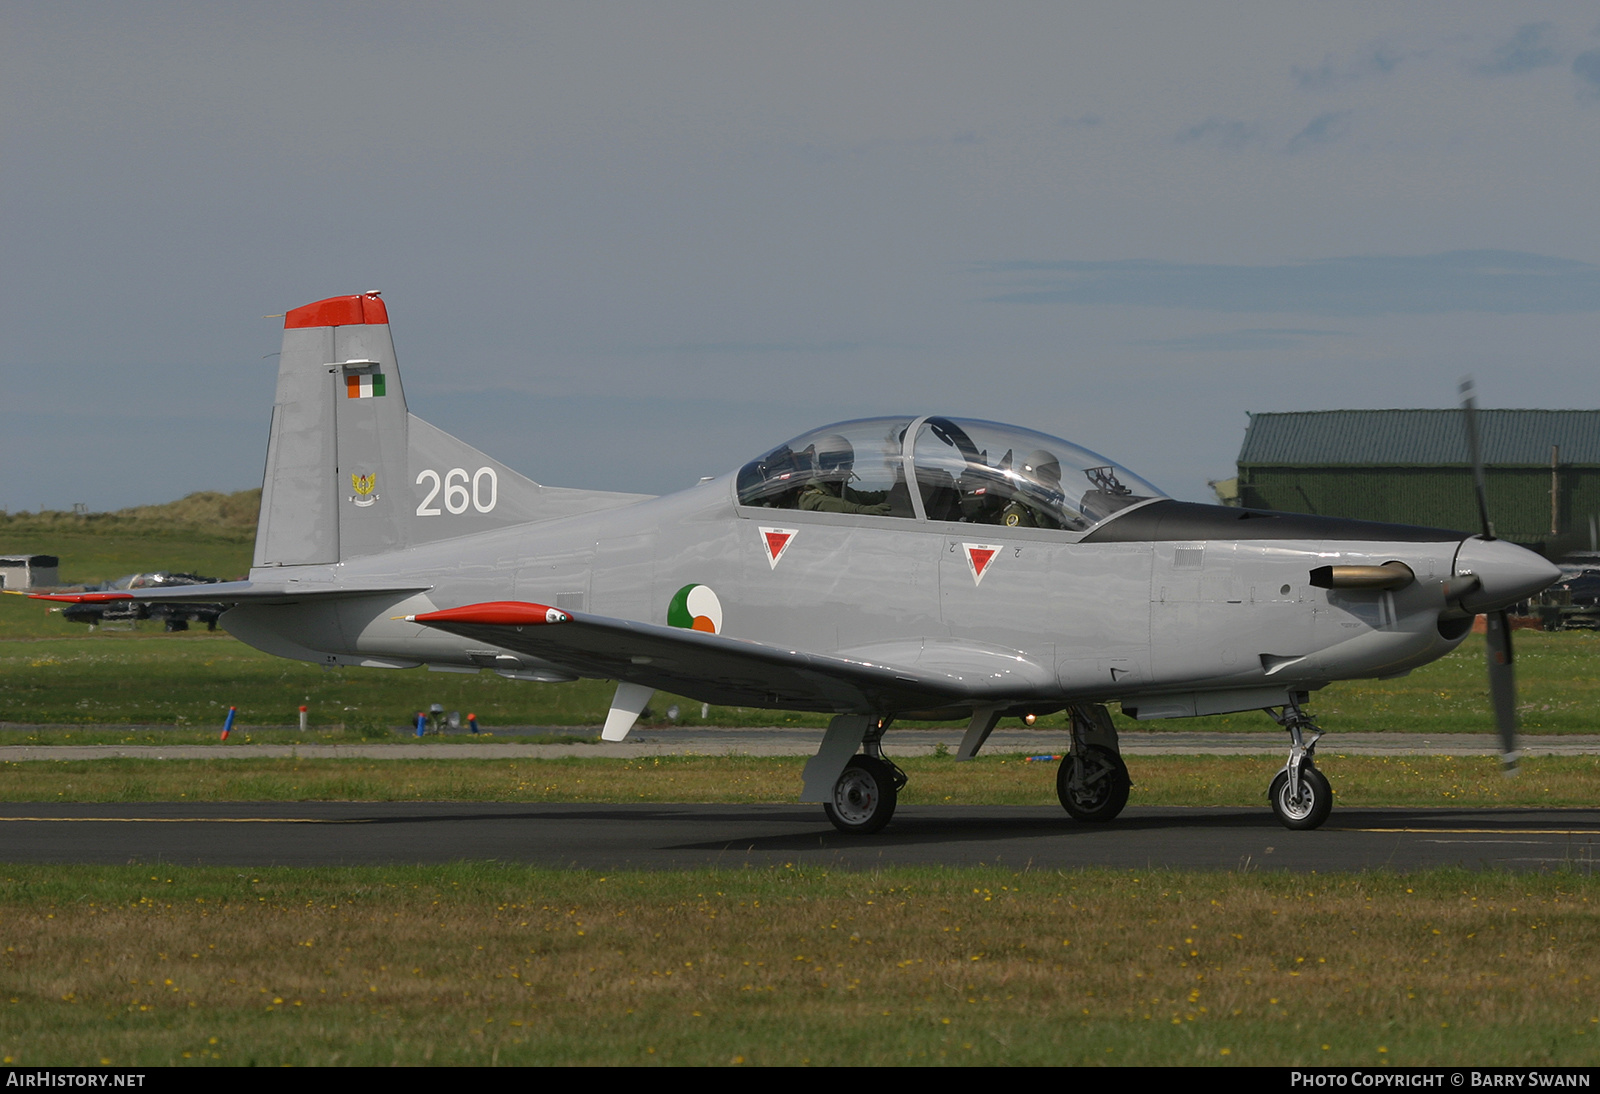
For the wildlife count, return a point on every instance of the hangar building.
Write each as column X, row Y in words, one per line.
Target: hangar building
column 1542, row 469
column 29, row 571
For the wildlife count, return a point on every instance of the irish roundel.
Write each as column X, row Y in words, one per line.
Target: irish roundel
column 697, row 608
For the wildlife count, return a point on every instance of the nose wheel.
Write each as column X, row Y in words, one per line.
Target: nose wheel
column 1305, row 805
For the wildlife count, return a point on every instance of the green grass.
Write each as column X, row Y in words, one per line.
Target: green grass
column 1475, row 782
column 483, row 964
column 489, row 964
column 210, row 534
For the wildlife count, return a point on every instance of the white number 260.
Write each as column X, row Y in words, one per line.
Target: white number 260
column 482, row 497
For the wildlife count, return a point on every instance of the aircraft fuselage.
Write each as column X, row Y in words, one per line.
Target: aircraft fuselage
column 1169, row 626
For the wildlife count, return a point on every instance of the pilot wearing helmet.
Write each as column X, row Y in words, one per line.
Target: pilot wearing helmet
column 1038, row 478
column 829, row 489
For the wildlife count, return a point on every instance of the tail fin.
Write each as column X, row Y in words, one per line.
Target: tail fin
column 351, row 473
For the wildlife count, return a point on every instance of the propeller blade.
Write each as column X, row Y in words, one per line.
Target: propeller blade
column 1503, row 687
column 1502, row 677
column 1469, row 413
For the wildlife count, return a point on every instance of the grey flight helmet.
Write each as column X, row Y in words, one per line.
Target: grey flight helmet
column 836, row 459
column 1043, row 469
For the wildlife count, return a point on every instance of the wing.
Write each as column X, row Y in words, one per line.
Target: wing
column 710, row 667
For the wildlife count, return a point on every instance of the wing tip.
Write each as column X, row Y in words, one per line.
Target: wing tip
column 516, row 613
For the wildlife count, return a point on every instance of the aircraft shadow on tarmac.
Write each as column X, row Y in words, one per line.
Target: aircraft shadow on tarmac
column 910, row 829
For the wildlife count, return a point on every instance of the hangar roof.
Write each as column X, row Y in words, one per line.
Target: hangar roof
column 1429, row 438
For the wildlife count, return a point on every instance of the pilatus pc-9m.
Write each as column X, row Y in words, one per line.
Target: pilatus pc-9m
column 906, row 566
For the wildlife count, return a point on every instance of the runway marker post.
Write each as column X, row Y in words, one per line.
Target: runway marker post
column 227, row 723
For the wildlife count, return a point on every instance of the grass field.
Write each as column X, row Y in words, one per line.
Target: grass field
column 479, row 963
column 488, row 964
column 211, row 534
column 54, row 672
column 1545, row 781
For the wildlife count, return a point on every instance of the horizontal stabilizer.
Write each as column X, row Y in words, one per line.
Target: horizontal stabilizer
column 710, row 667
column 235, row 592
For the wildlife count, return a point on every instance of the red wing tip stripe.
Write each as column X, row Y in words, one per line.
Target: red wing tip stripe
column 81, row 598
column 516, row 613
column 339, row 311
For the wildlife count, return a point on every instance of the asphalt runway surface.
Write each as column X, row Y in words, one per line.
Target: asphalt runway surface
column 673, row 837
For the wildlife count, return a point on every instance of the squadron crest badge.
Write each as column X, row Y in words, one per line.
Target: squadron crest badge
column 365, row 487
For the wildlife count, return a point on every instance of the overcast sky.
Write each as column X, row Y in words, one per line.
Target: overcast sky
column 627, row 245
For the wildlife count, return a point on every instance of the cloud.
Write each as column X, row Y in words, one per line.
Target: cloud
column 1376, row 60
column 1532, row 46
column 1323, row 129
column 1234, row 135
column 1586, row 66
column 1086, row 120
column 1240, row 341
column 1226, row 133
column 1493, row 282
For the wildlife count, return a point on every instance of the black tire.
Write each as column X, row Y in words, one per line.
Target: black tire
column 1313, row 806
column 1101, row 792
column 864, row 797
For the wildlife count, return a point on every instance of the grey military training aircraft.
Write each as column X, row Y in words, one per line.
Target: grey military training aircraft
column 899, row 567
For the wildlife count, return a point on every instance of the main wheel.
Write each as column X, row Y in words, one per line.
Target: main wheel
column 864, row 797
column 1093, row 786
column 1308, row 810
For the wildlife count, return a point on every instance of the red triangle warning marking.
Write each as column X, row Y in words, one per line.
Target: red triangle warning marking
column 776, row 541
column 979, row 556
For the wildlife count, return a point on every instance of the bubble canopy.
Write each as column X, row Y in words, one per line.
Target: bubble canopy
column 964, row 470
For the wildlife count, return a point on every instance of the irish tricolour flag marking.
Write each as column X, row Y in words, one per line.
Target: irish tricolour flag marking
column 776, row 541
column 364, row 386
column 696, row 608
column 979, row 557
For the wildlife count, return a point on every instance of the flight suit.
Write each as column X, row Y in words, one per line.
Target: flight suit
column 833, row 497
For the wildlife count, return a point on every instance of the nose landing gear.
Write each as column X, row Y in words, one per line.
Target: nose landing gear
column 1300, row 795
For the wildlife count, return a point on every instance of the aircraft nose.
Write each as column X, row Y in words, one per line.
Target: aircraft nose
column 1506, row 573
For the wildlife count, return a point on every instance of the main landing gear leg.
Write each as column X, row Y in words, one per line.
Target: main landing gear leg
column 1300, row 795
column 1092, row 781
column 858, row 791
